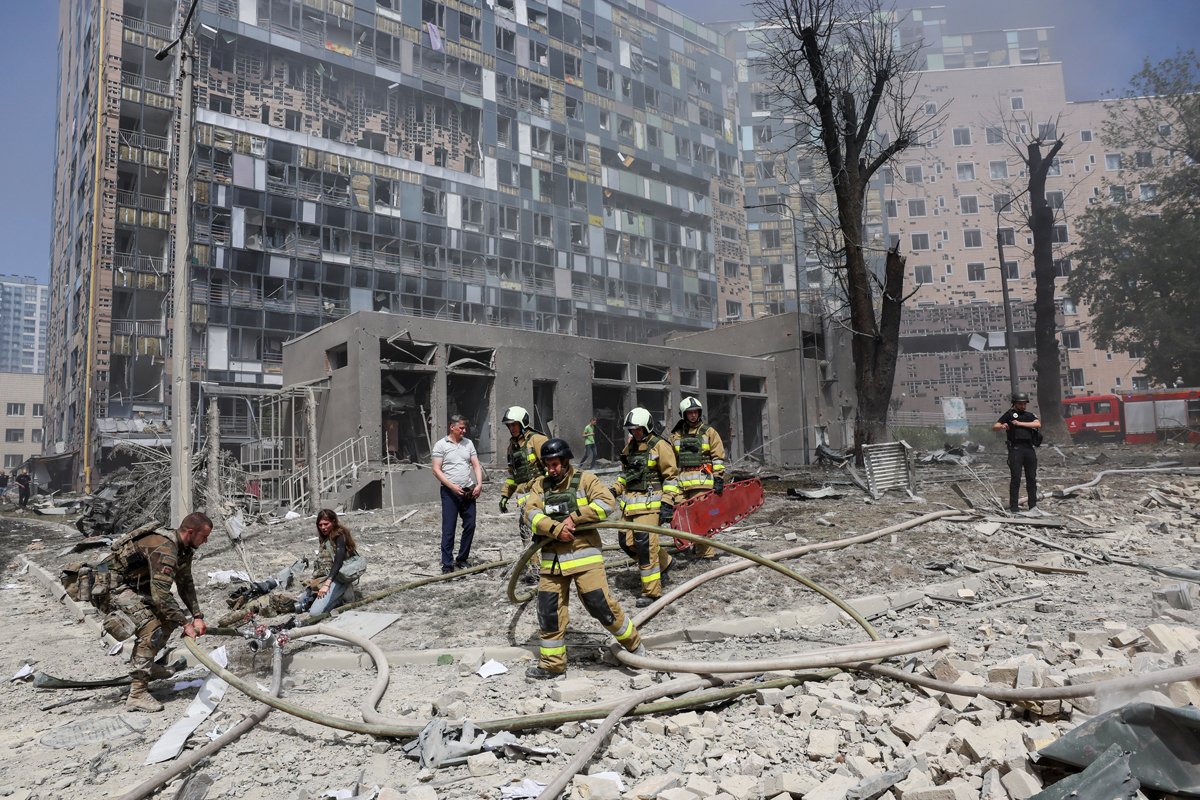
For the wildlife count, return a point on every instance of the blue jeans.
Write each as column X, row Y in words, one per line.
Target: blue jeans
column 331, row 600
column 453, row 507
column 589, row 455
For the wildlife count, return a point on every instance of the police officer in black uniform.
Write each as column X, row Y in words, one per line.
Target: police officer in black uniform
column 1020, row 428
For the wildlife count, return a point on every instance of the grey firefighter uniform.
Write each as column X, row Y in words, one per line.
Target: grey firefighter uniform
column 584, row 497
column 648, row 481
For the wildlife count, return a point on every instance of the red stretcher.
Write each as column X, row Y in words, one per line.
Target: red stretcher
column 709, row 513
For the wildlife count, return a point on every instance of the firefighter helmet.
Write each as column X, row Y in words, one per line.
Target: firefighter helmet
column 690, row 404
column 639, row 418
column 556, row 448
column 1020, row 397
column 516, row 414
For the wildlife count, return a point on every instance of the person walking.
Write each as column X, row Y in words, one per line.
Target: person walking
column 701, row 456
column 559, row 502
column 24, row 487
column 149, row 562
column 456, row 466
column 589, row 445
column 524, row 467
column 1022, row 433
column 647, row 488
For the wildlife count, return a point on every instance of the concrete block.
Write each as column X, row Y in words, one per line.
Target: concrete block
column 1125, row 638
column 655, row 727
column 1163, row 639
column 835, row 787
column 678, row 793
column 482, row 763
column 769, row 697
column 1005, row 673
column 793, row 783
column 650, row 788
column 1097, row 672
column 701, row 785
column 862, row 767
column 596, row 787
column 839, row 709
column 415, row 793
column 570, row 690
column 823, row 743
column 1091, row 639
column 916, row 720
column 1021, row 784
column 959, row 702
column 740, row 787
column 993, row 741
column 944, row 670
column 1186, row 693
column 1040, row 736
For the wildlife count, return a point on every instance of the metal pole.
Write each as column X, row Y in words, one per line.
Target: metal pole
column 181, row 439
column 314, row 469
column 1009, row 338
column 799, row 329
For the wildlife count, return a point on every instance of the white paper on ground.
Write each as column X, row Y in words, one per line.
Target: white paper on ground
column 11, row 586
column 181, row 685
column 23, row 672
column 492, row 667
column 525, row 789
column 291, row 515
column 361, row 623
column 116, row 648
column 170, row 744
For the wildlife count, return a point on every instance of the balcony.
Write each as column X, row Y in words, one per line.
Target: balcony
column 146, row 140
column 134, row 327
column 139, row 263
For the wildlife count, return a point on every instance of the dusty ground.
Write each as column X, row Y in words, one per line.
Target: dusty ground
column 289, row 758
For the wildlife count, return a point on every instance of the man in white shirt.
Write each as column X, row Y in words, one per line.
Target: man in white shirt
column 456, row 466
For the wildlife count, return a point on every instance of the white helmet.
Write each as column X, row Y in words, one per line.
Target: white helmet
column 516, row 414
column 690, row 404
column 639, row 418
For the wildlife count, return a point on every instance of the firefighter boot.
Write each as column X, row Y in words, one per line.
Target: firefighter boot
column 140, row 698
column 160, row 671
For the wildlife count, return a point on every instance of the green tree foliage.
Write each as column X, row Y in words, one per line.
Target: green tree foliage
column 1138, row 264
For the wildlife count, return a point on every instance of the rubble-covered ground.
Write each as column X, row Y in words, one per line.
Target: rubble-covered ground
column 823, row 740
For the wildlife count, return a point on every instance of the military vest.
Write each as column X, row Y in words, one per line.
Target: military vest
column 639, row 475
column 128, row 559
column 691, row 449
column 560, row 504
column 523, row 463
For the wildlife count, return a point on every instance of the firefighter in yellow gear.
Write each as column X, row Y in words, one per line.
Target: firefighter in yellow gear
column 647, row 489
column 524, row 467
column 700, row 454
column 564, row 499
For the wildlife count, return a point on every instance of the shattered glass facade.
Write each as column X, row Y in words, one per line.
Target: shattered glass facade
column 567, row 167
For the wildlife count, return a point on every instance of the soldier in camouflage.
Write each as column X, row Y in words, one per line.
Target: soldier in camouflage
column 149, row 563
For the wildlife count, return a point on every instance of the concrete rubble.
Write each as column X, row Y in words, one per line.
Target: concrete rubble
column 851, row 736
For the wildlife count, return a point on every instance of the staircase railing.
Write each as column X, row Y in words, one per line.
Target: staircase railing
column 338, row 468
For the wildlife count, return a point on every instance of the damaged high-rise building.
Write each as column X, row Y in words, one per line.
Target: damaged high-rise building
column 568, row 167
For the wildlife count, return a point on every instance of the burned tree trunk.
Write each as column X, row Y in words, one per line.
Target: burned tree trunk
column 1047, row 363
column 875, row 359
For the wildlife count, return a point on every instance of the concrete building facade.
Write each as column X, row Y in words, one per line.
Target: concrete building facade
column 22, row 403
column 569, row 168
column 395, row 381
column 24, row 315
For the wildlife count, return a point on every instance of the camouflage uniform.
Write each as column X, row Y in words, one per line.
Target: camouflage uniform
column 648, row 481
column 701, row 456
column 583, row 496
column 149, row 564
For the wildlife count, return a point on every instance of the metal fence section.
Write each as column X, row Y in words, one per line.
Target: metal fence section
column 888, row 466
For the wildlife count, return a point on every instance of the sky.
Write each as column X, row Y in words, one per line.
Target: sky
column 1101, row 43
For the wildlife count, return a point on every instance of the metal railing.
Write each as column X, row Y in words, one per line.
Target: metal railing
column 134, row 327
column 338, row 470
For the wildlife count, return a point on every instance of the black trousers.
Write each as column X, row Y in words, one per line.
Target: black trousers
column 1022, row 457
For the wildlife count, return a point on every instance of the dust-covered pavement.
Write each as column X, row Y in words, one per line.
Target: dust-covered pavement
column 806, row 742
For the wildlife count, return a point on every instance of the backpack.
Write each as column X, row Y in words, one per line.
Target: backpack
column 1036, row 435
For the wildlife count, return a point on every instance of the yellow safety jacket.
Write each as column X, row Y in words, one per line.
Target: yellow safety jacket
column 577, row 494
column 649, row 478
column 701, row 455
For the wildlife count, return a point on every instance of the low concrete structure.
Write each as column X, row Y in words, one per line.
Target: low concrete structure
column 396, row 379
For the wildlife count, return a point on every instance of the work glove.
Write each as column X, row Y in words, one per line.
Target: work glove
column 665, row 514
column 503, row 505
column 718, row 484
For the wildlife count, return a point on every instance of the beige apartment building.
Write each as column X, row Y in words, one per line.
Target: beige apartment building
column 947, row 203
column 22, row 401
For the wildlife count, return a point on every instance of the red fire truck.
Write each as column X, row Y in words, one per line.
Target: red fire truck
column 1137, row 417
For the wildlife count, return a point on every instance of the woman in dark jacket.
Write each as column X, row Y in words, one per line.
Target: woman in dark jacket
column 334, row 546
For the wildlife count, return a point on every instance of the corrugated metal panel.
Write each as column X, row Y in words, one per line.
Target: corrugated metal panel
column 888, row 466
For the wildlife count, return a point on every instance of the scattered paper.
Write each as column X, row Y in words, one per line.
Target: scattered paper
column 171, row 743
column 291, row 515
column 524, row 789
column 236, row 526
column 183, row 685
column 116, row 648
column 23, row 672
column 492, row 667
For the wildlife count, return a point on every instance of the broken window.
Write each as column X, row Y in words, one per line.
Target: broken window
column 610, row 371
column 646, row 373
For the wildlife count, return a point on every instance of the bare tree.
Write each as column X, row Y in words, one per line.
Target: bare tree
column 839, row 76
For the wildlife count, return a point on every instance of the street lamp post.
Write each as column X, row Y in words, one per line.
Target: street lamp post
column 1009, row 339
column 181, row 273
column 799, row 324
